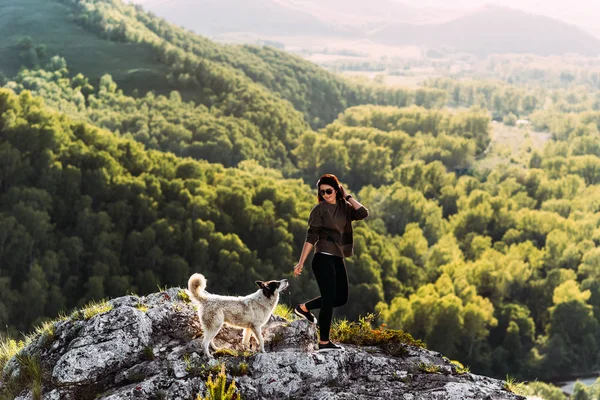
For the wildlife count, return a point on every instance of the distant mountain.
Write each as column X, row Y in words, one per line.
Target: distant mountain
column 487, row 30
column 494, row 30
column 360, row 13
column 583, row 13
column 291, row 17
column 266, row 17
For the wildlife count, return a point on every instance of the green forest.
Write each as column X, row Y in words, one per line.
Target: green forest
column 114, row 183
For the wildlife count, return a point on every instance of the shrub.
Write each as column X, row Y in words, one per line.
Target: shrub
column 361, row 333
column 283, row 311
column 217, row 389
column 510, row 119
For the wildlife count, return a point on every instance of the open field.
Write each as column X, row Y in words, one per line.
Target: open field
column 511, row 145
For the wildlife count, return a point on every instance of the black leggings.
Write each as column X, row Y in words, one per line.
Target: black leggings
column 332, row 278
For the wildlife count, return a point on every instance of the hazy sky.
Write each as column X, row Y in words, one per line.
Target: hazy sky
column 584, row 13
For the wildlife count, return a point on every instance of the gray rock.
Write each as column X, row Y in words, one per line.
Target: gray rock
column 134, row 352
column 170, row 296
column 138, row 372
column 176, row 320
column 108, row 342
column 282, row 374
column 129, row 301
column 53, row 395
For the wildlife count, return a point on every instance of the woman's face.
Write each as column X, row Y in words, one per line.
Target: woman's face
column 328, row 193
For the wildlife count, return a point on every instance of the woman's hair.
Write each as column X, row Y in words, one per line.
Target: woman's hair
column 331, row 180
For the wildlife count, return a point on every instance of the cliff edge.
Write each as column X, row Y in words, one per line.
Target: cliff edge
column 149, row 348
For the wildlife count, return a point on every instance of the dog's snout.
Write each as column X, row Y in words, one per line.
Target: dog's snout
column 283, row 284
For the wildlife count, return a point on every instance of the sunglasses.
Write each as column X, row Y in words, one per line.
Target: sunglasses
column 328, row 191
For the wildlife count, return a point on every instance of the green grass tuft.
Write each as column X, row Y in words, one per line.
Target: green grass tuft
column 514, row 386
column 429, row 368
column 29, row 376
column 217, row 389
column 225, row 352
column 142, row 307
column 91, row 309
column 240, row 369
column 161, row 289
column 361, row 333
column 47, row 328
column 201, row 370
column 8, row 349
column 460, row 369
column 184, row 296
column 283, row 311
column 149, row 353
column 188, row 363
column 94, row 308
column 233, row 353
column 32, row 370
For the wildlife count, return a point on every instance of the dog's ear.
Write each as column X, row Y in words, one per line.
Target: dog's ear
column 260, row 284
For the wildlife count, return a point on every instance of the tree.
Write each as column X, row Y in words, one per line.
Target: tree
column 510, row 119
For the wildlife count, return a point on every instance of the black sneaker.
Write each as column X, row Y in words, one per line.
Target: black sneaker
column 308, row 315
column 329, row 346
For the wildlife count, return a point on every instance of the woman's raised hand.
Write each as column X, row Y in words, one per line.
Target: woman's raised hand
column 298, row 269
column 344, row 193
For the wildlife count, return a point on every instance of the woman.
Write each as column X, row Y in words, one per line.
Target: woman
column 330, row 233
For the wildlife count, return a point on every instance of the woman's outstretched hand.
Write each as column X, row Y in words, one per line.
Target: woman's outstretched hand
column 298, row 269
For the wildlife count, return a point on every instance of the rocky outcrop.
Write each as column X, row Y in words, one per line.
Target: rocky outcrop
column 149, row 348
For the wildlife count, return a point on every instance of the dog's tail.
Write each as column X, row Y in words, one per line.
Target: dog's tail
column 196, row 286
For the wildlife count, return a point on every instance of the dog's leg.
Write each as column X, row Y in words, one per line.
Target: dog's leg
column 246, row 339
column 213, row 345
column 212, row 328
column 258, row 333
column 206, row 341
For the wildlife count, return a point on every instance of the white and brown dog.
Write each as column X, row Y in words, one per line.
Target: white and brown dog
column 248, row 312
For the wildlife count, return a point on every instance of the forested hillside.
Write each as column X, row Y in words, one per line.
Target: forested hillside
column 166, row 57
column 107, row 190
column 169, row 123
